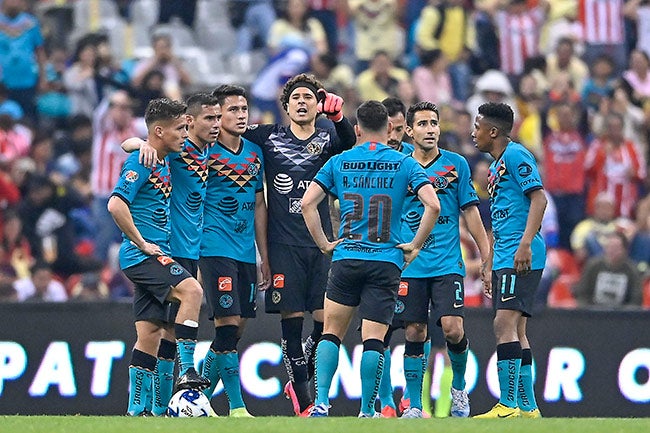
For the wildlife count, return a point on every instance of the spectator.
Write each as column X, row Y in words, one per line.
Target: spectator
column 445, row 25
column 640, row 239
column 294, row 23
column 614, row 165
column 164, row 60
column 492, row 86
column 15, row 251
column 7, row 279
column 14, row 139
column 611, row 280
column 564, row 59
column 22, row 56
column 79, row 79
column 252, row 20
column 113, row 123
column 487, row 41
column 376, row 30
column 431, row 80
column 152, row 87
column 90, row 288
column 604, row 31
column 384, row 79
column 564, row 179
column 480, row 173
column 638, row 77
column 587, row 239
column 40, row 286
column 9, row 106
column 325, row 12
column 53, row 104
column 564, row 26
column 600, row 84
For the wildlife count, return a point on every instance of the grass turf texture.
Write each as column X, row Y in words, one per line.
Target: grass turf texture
column 122, row 424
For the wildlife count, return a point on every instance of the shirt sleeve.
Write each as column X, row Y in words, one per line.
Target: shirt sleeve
column 417, row 176
column 525, row 171
column 325, row 176
column 466, row 193
column 132, row 177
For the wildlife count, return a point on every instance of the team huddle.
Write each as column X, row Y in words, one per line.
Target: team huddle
column 396, row 258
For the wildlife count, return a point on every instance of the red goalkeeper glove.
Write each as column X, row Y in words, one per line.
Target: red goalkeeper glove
column 331, row 105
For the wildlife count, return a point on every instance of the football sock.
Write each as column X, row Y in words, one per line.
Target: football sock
column 443, row 403
column 141, row 382
column 526, row 392
column 163, row 377
column 372, row 366
column 508, row 365
column 414, row 371
column 227, row 361
column 458, row 357
column 210, row 370
column 294, row 359
column 311, row 342
column 327, row 360
column 186, row 343
column 386, row 386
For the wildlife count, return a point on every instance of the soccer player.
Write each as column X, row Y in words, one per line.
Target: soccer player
column 372, row 182
column 436, row 275
column 235, row 221
column 188, row 170
column 140, row 206
column 397, row 116
column 293, row 155
column 517, row 204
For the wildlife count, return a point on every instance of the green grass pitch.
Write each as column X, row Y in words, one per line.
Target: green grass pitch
column 122, row 424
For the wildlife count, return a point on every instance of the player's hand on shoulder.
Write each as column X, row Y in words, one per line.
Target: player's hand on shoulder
column 330, row 104
column 148, row 155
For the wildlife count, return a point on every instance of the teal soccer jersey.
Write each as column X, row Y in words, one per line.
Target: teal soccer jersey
column 371, row 182
column 189, row 171
column 229, row 215
column 513, row 175
column 441, row 255
column 147, row 192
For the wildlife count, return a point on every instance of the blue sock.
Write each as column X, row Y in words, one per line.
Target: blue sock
column 211, row 372
column 141, row 382
column 327, row 360
column 386, row 387
column 228, row 368
column 458, row 357
column 526, row 392
column 508, row 365
column 372, row 366
column 163, row 386
column 414, row 372
column 186, row 343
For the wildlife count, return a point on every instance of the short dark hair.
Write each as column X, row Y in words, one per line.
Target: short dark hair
column 498, row 114
column 163, row 110
column 394, row 106
column 420, row 106
column 226, row 90
column 372, row 116
column 289, row 86
column 196, row 101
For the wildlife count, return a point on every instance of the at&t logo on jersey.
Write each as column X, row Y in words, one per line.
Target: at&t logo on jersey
column 283, row 183
column 225, row 284
column 278, row 281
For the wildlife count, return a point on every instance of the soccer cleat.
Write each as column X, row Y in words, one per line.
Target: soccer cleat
column 412, row 412
column 144, row 414
column 290, row 394
column 192, row 380
column 319, row 410
column 404, row 404
column 459, row 403
column 534, row 413
column 240, row 412
column 367, row 415
column 305, row 413
column 500, row 411
column 212, row 413
column 388, row 412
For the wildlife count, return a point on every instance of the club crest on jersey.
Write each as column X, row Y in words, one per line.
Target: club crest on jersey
column 225, row 301
column 399, row 307
column 131, row 176
column 314, row 148
column 295, row 205
column 253, row 169
column 175, row 269
column 283, row 183
column 440, row 182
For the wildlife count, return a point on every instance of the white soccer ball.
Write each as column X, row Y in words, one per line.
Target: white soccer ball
column 188, row 403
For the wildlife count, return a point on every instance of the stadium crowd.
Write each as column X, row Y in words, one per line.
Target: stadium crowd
column 76, row 77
